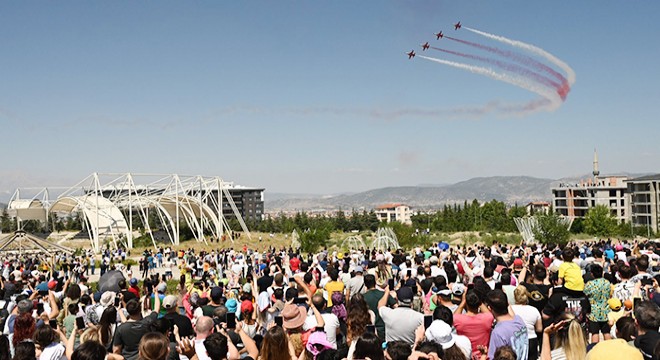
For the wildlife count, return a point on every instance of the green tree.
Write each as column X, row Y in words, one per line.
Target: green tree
column 551, row 230
column 600, row 222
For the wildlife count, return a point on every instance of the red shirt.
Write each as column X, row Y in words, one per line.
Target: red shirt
column 295, row 264
column 477, row 328
column 134, row 290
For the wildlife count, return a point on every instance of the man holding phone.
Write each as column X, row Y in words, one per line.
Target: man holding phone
column 401, row 322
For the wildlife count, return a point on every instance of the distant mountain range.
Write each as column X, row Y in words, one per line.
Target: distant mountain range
column 509, row 189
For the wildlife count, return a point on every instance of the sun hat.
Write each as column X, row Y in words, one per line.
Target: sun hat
column 318, row 342
column 108, row 298
column 440, row 332
column 231, row 305
column 293, row 316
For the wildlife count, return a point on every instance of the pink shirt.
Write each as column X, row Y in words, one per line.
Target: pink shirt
column 477, row 328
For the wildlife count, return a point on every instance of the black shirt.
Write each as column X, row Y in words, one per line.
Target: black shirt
column 264, row 283
column 538, row 295
column 128, row 335
column 182, row 322
column 565, row 300
column 646, row 343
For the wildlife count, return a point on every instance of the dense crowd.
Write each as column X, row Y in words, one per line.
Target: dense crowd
column 593, row 300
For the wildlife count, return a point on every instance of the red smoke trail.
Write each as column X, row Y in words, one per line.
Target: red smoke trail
column 525, row 60
column 510, row 67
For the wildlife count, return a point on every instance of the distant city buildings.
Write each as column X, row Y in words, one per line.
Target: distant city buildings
column 394, row 212
column 629, row 199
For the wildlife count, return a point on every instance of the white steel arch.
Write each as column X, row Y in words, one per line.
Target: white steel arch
column 108, row 203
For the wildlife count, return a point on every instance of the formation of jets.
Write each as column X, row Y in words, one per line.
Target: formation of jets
column 426, row 45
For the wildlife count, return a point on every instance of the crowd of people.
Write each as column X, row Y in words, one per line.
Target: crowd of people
column 593, row 300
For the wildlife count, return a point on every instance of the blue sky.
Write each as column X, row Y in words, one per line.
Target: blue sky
column 282, row 94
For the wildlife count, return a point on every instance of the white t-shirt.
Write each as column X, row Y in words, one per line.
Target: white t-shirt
column 530, row 316
column 54, row 351
column 331, row 325
column 200, row 350
column 463, row 343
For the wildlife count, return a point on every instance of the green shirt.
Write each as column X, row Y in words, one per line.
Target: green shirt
column 372, row 297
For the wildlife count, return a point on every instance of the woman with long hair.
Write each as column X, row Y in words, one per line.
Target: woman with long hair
column 275, row 345
column 368, row 346
column 570, row 340
column 530, row 316
column 153, row 346
column 357, row 318
column 107, row 325
column 24, row 327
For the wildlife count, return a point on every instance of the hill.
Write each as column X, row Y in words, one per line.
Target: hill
column 509, row 189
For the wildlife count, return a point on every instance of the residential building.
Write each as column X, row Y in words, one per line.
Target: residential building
column 537, row 207
column 644, row 201
column 575, row 199
column 394, row 212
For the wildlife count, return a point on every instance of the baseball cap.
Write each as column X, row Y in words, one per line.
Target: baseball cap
column 169, row 301
column 517, row 263
column 246, row 306
column 458, row 289
column 216, row 292
column 358, row 269
column 405, row 295
column 161, row 288
column 614, row 303
column 133, row 281
column 52, row 284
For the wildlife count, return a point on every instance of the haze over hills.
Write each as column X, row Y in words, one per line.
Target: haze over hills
column 509, row 189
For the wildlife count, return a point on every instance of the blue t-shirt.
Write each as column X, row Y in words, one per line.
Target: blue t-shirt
column 512, row 333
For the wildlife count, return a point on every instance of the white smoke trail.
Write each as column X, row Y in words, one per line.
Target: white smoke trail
column 570, row 74
column 519, row 81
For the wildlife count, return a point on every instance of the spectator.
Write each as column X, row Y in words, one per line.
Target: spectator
column 333, row 285
column 570, row 274
column 509, row 330
column 372, row 297
column 441, row 333
column 463, row 342
column 400, row 322
column 368, row 346
column 127, row 337
column 203, row 328
column 182, row 323
column 647, row 316
column 25, row 350
column 50, row 349
column 531, row 317
column 331, row 322
column 153, row 346
column 275, row 345
column 569, row 342
column 476, row 323
column 598, row 291
column 355, row 285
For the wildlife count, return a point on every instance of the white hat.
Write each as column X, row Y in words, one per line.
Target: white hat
column 440, row 332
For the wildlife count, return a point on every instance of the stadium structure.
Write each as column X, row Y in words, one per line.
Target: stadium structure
column 108, row 203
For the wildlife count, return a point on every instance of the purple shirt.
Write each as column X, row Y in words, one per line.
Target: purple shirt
column 512, row 333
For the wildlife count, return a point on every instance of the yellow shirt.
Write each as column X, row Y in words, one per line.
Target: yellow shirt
column 572, row 275
column 614, row 349
column 332, row 287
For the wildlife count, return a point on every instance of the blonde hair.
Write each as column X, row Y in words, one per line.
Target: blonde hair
column 520, row 295
column 90, row 334
column 572, row 338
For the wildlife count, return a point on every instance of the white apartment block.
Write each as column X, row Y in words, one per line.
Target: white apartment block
column 394, row 212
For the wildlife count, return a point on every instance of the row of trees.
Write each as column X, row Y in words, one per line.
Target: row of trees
column 492, row 216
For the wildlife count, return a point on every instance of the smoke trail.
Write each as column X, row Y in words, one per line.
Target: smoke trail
column 522, row 59
column 509, row 67
column 520, row 82
column 570, row 74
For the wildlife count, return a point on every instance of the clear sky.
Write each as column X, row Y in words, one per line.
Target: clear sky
column 287, row 95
